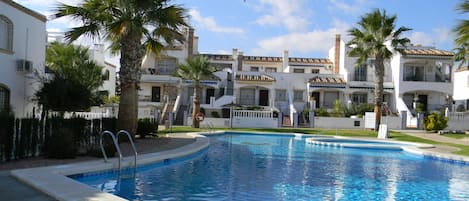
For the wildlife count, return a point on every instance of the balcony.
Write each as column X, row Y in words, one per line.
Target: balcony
column 159, row 70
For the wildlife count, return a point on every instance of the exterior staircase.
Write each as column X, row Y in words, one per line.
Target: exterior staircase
column 165, row 113
column 180, row 115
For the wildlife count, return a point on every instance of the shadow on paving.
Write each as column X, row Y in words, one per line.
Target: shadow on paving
column 12, row 189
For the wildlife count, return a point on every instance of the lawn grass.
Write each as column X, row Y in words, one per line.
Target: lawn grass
column 463, row 150
column 456, row 136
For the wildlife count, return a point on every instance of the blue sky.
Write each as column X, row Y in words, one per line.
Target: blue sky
column 304, row 27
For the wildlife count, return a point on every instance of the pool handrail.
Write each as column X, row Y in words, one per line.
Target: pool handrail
column 131, row 142
column 114, row 140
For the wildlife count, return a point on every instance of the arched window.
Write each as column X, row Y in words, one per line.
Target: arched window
column 6, row 34
column 4, row 98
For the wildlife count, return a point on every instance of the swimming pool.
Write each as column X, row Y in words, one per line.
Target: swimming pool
column 285, row 167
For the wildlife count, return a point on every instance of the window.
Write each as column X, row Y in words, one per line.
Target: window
column 414, row 73
column 254, row 68
column 155, row 94
column 299, row 70
column 166, row 66
column 270, row 69
column 280, row 95
column 315, row 71
column 298, row 95
column 4, row 98
column 106, row 75
column 360, row 98
column 360, row 73
column 6, row 34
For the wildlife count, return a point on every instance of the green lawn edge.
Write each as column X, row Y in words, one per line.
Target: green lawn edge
column 463, row 150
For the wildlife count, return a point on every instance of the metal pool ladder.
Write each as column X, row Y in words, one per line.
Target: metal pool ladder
column 115, row 140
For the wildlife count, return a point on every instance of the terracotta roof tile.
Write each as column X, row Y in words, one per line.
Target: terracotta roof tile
column 327, row 81
column 427, row 51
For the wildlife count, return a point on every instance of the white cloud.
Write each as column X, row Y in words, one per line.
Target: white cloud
column 210, row 24
column 437, row 37
column 316, row 41
column 290, row 14
column 355, row 7
column 45, row 3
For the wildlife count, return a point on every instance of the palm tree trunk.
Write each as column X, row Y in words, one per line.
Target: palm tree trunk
column 129, row 75
column 378, row 96
column 196, row 108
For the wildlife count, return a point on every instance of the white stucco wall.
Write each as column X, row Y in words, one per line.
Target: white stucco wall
column 461, row 85
column 97, row 54
column 29, row 42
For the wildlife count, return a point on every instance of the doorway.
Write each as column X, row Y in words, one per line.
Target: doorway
column 155, row 94
column 315, row 96
column 264, row 97
column 423, row 100
column 209, row 93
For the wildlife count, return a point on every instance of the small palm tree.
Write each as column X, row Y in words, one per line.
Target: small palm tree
column 132, row 27
column 74, row 63
column 196, row 68
column 373, row 38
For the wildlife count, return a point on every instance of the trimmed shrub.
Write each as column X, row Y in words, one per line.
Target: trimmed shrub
column 321, row 112
column 146, row 126
column 215, row 114
column 435, row 122
column 61, row 144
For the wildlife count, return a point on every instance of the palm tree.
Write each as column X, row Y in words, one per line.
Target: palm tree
column 73, row 62
column 461, row 54
column 196, row 68
column 132, row 27
column 462, row 28
column 462, row 39
column 374, row 38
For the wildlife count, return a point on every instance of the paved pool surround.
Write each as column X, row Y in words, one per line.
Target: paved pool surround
column 54, row 182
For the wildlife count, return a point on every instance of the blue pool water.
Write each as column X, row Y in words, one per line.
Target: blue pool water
column 266, row 167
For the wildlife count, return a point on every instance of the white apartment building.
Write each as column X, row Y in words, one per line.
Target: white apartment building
column 420, row 78
column 287, row 84
column 22, row 56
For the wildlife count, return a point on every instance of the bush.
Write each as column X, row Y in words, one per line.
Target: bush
column 7, row 120
column 146, row 126
column 321, row 112
column 460, row 108
column 61, row 144
column 215, row 114
column 435, row 122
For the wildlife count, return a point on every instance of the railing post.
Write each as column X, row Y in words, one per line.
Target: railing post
column 295, row 120
column 280, row 119
column 403, row 119
column 311, row 119
column 420, row 121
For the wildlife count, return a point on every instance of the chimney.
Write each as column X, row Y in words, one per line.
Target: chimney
column 284, row 60
column 190, row 42
column 337, row 54
column 240, row 61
